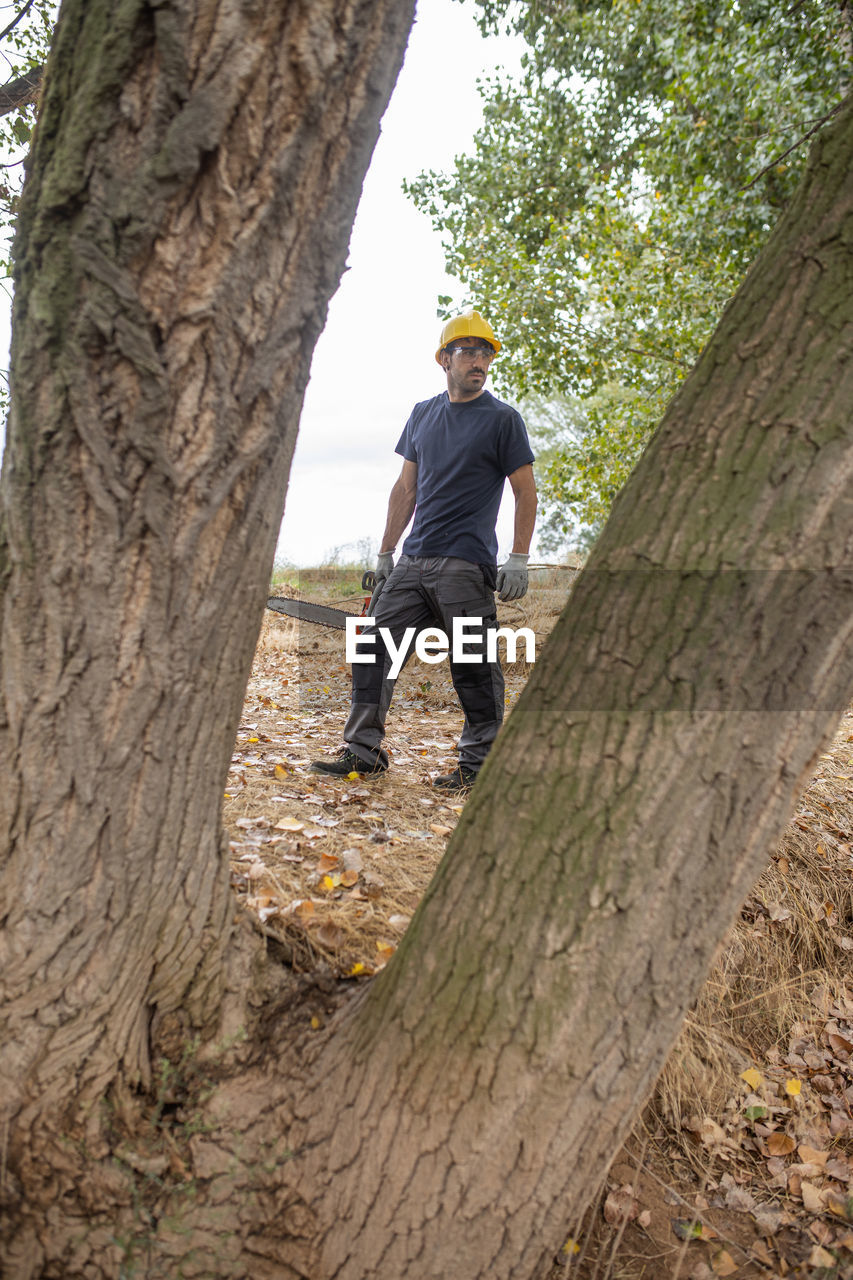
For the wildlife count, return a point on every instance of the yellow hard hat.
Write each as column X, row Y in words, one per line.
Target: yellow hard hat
column 469, row 325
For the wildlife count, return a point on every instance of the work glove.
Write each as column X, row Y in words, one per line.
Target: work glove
column 512, row 577
column 384, row 566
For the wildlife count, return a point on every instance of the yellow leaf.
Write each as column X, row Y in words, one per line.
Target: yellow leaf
column 315, row 1023
column 353, row 777
column 356, row 970
column 330, row 882
column 752, row 1077
column 289, row 824
column 280, row 771
column 571, row 1246
column 793, row 1087
column 253, row 739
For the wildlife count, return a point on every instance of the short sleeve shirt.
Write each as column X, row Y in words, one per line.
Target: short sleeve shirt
column 464, row 452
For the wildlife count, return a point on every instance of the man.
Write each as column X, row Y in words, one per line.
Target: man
column 458, row 450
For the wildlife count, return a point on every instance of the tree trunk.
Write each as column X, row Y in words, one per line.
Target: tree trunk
column 194, row 177
column 460, row 1115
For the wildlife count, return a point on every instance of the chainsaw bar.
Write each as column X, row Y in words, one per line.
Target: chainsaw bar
column 308, row 612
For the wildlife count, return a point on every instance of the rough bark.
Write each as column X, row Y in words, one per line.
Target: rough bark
column 191, row 189
column 461, row 1113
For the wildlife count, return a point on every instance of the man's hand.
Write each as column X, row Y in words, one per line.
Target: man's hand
column 512, row 577
column 384, row 566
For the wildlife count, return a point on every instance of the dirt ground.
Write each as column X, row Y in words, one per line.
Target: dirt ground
column 741, row 1165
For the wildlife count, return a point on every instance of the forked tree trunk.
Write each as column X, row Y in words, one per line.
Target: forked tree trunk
column 193, row 182
column 462, row 1112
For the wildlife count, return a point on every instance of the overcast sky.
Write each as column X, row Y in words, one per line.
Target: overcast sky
column 376, row 356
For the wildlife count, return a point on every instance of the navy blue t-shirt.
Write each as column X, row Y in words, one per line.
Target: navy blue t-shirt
column 464, row 452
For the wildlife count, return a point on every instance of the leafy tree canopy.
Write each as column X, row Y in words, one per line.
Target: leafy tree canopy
column 615, row 197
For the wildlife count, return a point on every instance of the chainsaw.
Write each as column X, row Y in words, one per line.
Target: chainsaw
column 323, row 614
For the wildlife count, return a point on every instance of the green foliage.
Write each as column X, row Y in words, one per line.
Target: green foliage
column 617, row 195
column 26, row 30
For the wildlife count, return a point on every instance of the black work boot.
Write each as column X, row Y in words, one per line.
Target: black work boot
column 345, row 763
column 461, row 779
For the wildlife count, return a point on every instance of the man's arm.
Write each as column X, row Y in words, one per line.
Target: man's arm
column 401, row 506
column 524, row 491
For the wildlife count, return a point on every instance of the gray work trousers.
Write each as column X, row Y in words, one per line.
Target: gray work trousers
column 431, row 592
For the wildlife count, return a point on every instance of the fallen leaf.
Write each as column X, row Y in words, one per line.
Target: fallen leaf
column 281, row 772
column 813, row 1198
column 780, row 1144
column 289, row 824
column 840, row 1205
column 752, row 1077
column 349, row 878
column 758, row 1250
column 809, row 1155
column 793, row 1087
column 723, row 1264
column 329, row 935
column 571, row 1246
column 328, row 862
column 439, row 829
column 820, row 1257
column 690, row 1229
column 621, row 1205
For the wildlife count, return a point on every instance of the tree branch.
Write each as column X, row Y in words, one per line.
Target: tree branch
column 18, row 92
column 16, row 20
column 772, row 165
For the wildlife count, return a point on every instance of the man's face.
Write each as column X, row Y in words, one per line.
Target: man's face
column 466, row 363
